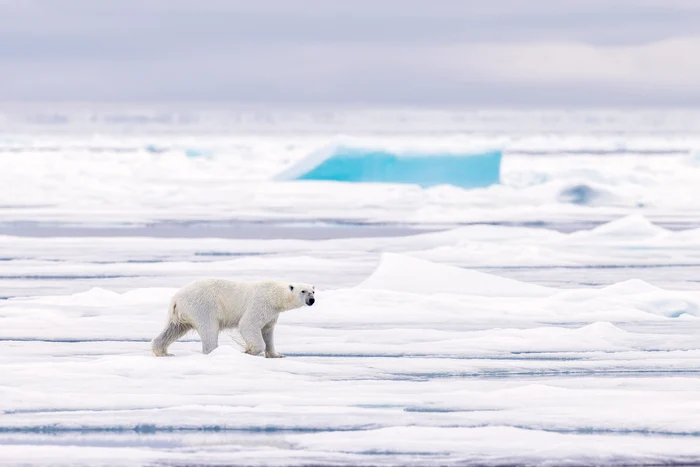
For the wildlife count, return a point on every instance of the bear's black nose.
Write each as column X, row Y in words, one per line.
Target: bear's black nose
column 311, row 301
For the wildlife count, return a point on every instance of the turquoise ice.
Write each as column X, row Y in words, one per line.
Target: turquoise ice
column 354, row 164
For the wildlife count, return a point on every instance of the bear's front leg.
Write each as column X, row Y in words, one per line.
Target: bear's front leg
column 268, row 332
column 252, row 335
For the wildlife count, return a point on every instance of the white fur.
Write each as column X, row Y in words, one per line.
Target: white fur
column 212, row 305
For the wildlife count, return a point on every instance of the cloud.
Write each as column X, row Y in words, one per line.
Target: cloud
column 501, row 52
column 668, row 63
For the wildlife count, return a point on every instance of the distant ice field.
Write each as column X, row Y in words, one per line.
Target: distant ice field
column 132, row 166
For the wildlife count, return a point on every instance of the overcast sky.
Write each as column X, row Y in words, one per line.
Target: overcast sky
column 428, row 52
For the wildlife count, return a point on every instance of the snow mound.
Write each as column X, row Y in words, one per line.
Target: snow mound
column 693, row 158
column 344, row 163
column 631, row 287
column 406, row 274
column 634, row 226
column 99, row 297
column 670, row 306
column 96, row 296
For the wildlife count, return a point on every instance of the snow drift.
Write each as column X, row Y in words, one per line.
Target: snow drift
column 406, row 274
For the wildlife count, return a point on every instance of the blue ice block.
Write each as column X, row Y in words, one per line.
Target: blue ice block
column 352, row 164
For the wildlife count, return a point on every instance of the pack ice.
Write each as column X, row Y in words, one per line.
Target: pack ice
column 412, row 361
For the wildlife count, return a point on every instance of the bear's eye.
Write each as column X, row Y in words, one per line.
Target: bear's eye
column 303, row 291
column 291, row 287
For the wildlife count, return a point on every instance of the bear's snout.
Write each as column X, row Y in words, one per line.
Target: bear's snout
column 310, row 301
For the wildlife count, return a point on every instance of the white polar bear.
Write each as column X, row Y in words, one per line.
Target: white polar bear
column 211, row 305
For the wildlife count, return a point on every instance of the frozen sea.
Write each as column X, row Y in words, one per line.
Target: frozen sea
column 553, row 319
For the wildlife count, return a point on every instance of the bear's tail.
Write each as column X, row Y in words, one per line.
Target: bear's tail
column 174, row 329
column 172, row 312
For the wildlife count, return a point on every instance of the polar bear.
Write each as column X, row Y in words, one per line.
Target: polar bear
column 211, row 305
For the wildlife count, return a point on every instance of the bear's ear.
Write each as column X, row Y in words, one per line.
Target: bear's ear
column 291, row 287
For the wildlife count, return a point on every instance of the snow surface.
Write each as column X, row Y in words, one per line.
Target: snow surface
column 496, row 343
column 404, row 360
column 599, row 257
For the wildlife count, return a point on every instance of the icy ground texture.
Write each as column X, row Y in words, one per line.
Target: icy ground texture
column 404, row 360
column 627, row 248
column 131, row 166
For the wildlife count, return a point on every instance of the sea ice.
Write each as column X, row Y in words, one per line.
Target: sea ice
column 359, row 164
column 416, row 352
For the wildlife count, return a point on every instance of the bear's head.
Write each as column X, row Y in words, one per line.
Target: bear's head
column 303, row 293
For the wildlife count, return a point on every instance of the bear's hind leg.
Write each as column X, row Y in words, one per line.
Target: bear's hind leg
column 209, row 333
column 171, row 333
